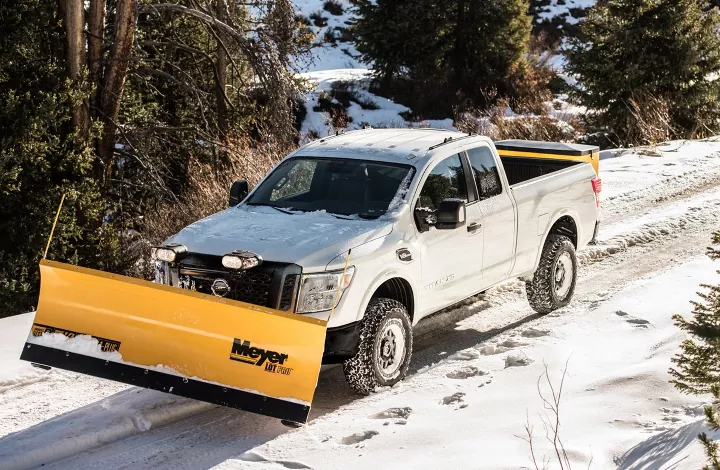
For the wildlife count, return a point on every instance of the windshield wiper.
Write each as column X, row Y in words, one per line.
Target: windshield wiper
column 340, row 216
column 284, row 211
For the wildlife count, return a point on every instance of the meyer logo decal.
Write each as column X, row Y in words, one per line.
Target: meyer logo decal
column 107, row 345
column 242, row 351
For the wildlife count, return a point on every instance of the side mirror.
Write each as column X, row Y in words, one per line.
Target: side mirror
column 450, row 214
column 238, row 191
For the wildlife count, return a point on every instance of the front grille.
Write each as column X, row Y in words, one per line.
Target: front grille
column 271, row 284
column 254, row 287
column 288, row 291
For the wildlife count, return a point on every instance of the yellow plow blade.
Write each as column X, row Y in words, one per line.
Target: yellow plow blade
column 176, row 341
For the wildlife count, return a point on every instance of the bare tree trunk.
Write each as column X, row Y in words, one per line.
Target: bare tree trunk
column 221, row 85
column 96, row 31
column 74, row 23
column 222, row 64
column 116, row 70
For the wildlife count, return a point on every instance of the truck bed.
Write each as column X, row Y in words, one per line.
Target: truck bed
column 524, row 160
column 519, row 170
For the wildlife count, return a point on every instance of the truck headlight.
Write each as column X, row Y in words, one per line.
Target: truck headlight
column 169, row 253
column 318, row 291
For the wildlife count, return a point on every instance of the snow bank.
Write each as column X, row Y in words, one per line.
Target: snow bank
column 108, row 420
column 13, row 372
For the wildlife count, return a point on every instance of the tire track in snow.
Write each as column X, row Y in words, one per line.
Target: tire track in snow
column 703, row 175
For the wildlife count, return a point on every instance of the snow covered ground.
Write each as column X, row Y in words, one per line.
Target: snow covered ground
column 473, row 381
column 469, row 410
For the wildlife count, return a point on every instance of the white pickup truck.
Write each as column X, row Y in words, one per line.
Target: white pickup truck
column 428, row 217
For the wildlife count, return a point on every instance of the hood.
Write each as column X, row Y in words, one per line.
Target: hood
column 309, row 239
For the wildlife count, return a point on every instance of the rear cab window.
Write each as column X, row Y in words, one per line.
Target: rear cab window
column 485, row 172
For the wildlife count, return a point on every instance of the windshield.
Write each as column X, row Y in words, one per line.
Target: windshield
column 338, row 186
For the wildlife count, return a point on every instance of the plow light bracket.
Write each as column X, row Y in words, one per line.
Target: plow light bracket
column 169, row 253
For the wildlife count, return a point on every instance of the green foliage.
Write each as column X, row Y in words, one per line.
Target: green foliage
column 197, row 100
column 633, row 52
column 438, row 55
column 697, row 366
column 40, row 160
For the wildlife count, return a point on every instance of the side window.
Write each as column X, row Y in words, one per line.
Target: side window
column 296, row 181
column 485, row 172
column 445, row 181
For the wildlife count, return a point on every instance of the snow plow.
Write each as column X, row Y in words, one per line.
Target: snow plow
column 177, row 341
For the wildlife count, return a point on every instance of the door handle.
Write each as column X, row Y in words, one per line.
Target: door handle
column 474, row 227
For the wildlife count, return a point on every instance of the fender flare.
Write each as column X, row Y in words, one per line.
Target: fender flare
column 379, row 280
column 562, row 212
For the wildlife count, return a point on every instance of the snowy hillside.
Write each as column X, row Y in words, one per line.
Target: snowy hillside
column 472, row 386
column 335, row 63
column 335, row 68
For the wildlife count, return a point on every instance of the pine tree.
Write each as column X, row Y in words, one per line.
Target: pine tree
column 697, row 367
column 443, row 53
column 639, row 51
column 489, row 38
column 380, row 36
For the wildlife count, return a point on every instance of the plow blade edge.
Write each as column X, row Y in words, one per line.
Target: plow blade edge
column 176, row 341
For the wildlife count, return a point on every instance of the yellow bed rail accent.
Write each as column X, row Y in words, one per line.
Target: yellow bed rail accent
column 593, row 159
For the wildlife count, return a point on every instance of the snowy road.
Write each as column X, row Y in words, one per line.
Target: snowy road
column 658, row 215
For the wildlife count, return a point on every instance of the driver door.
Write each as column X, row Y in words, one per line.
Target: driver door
column 451, row 258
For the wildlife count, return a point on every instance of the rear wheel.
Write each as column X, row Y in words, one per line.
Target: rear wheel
column 385, row 347
column 553, row 283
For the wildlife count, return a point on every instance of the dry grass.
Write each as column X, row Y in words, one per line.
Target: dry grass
column 649, row 122
column 496, row 125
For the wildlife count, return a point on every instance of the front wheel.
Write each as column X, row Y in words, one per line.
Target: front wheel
column 385, row 347
column 553, row 283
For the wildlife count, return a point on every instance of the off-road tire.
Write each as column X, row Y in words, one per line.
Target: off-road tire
column 362, row 370
column 541, row 292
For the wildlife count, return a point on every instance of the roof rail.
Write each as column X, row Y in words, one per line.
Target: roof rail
column 449, row 140
column 337, row 133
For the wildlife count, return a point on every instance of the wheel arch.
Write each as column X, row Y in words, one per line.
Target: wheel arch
column 564, row 222
column 392, row 285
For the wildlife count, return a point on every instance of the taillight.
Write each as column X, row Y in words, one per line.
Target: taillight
column 597, row 187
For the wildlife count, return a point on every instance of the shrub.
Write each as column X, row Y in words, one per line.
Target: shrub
column 302, row 19
column 495, row 124
column 334, row 7
column 318, row 19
